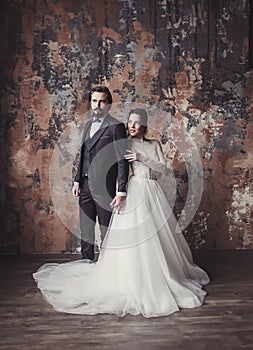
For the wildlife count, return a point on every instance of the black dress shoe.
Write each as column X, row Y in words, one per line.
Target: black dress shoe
column 96, row 256
column 87, row 250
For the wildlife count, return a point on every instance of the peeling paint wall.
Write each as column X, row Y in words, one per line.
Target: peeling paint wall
column 191, row 58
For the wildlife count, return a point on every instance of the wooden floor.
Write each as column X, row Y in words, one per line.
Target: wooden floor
column 225, row 321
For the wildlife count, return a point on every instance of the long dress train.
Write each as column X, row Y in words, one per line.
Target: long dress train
column 144, row 267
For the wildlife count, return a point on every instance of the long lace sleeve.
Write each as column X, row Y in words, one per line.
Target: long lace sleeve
column 154, row 160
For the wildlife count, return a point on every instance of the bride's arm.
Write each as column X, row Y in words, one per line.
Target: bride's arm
column 158, row 164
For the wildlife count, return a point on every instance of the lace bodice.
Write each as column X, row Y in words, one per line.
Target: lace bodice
column 150, row 159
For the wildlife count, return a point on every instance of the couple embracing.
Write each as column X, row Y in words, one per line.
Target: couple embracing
column 144, row 266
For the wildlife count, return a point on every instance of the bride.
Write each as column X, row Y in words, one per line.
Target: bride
column 144, row 266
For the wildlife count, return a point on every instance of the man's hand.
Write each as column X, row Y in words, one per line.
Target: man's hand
column 118, row 203
column 75, row 190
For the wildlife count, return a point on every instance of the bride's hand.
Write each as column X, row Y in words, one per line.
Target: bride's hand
column 131, row 155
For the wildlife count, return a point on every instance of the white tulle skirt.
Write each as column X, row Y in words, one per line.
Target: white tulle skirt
column 144, row 266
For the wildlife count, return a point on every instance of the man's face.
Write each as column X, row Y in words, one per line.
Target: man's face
column 99, row 103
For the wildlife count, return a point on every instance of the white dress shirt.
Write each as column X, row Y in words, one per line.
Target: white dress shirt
column 95, row 126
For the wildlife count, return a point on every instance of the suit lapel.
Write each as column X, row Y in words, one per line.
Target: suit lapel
column 86, row 131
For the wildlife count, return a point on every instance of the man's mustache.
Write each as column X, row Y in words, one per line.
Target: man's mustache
column 99, row 110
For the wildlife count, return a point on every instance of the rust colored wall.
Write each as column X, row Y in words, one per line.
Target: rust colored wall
column 193, row 58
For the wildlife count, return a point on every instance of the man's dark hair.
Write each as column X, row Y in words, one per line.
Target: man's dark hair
column 101, row 88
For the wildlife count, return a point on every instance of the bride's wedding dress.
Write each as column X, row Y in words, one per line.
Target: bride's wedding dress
column 144, row 266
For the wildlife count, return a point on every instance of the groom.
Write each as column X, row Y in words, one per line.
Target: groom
column 101, row 166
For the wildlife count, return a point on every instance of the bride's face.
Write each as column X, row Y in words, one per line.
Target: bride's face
column 134, row 126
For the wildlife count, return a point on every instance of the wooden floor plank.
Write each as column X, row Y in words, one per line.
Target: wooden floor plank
column 225, row 321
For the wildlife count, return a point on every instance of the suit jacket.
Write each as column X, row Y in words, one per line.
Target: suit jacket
column 106, row 165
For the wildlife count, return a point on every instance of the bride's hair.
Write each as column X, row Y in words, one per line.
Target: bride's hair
column 144, row 118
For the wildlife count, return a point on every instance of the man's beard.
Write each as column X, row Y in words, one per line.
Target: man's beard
column 100, row 113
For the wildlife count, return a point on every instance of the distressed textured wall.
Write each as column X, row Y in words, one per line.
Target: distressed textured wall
column 193, row 58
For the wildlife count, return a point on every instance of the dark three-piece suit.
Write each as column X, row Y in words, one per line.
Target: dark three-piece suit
column 102, row 170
